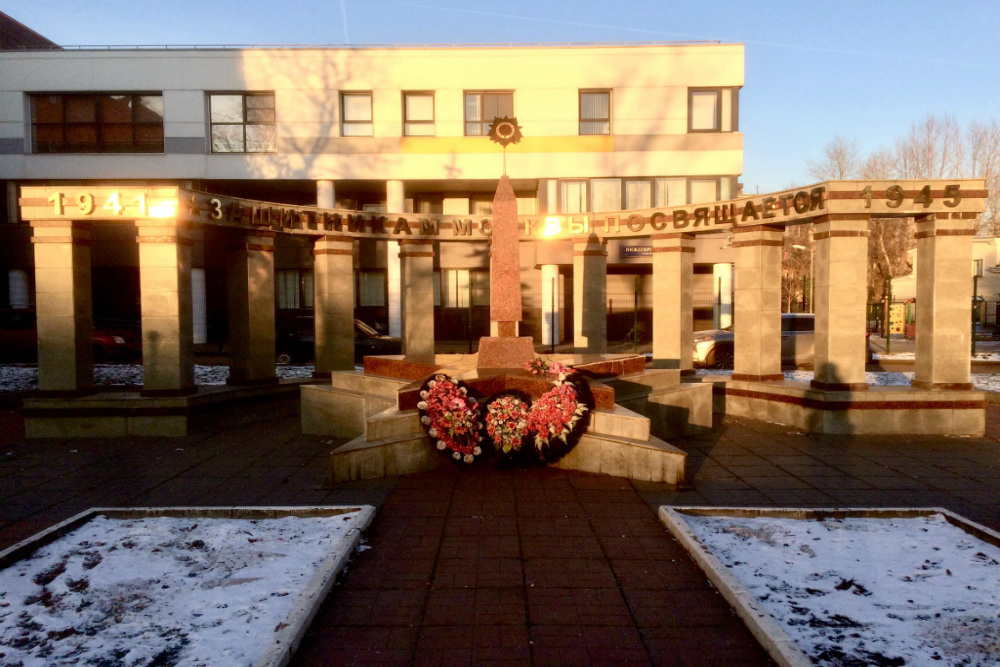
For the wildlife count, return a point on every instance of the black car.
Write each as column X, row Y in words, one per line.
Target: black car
column 297, row 342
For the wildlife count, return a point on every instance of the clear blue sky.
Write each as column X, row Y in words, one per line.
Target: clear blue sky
column 865, row 70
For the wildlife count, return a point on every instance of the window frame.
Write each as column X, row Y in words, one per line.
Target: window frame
column 244, row 95
column 484, row 125
column 344, row 122
column 580, row 118
column 588, row 191
column 719, row 101
column 431, row 122
column 99, row 125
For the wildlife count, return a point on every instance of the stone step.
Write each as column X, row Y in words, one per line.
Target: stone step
column 361, row 459
column 653, row 460
column 620, row 422
column 630, row 386
column 359, row 382
column 392, row 423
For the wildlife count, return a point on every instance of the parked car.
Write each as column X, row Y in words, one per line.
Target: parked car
column 297, row 343
column 713, row 348
column 19, row 339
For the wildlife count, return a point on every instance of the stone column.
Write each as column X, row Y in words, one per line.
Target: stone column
column 673, row 301
column 165, row 285
column 550, row 304
column 250, row 292
column 333, row 298
column 325, row 194
column 757, row 304
column 395, row 202
column 841, row 294
column 722, row 287
column 63, row 307
column 944, row 297
column 417, row 257
column 590, row 296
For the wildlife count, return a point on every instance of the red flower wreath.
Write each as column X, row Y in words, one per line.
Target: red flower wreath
column 451, row 417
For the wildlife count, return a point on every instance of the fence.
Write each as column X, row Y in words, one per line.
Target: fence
column 902, row 318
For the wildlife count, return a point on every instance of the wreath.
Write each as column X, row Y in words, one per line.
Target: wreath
column 558, row 418
column 506, row 420
column 450, row 416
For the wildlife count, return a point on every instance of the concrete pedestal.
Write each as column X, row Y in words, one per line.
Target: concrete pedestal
column 63, row 307
column 165, row 284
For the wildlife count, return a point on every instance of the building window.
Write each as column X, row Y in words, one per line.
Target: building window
column 712, row 109
column 482, row 108
column 294, row 288
column 457, row 285
column 371, row 288
column 638, row 195
column 670, row 191
column 356, row 115
column 605, row 194
column 418, row 114
column 703, row 190
column 595, row 112
column 242, row 122
column 573, row 196
column 97, row 123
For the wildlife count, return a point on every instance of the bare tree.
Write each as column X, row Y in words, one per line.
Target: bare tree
column 840, row 160
column 983, row 141
column 796, row 265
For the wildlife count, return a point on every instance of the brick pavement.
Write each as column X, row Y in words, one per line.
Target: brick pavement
column 540, row 567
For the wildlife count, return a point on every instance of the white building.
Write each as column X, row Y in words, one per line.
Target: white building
column 401, row 129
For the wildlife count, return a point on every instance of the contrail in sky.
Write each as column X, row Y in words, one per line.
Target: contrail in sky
column 663, row 33
column 343, row 20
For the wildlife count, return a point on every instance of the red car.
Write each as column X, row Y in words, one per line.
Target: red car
column 19, row 339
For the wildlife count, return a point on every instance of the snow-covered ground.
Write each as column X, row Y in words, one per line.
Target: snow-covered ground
column 982, row 381
column 888, row 592
column 24, row 377
column 162, row 591
column 910, row 356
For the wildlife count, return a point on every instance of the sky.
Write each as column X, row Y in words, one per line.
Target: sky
column 865, row 71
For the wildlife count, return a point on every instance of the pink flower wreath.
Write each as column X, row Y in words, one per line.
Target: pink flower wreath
column 451, row 417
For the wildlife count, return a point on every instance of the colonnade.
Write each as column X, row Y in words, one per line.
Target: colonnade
column 64, row 309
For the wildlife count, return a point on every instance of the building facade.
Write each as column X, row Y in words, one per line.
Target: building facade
column 402, row 129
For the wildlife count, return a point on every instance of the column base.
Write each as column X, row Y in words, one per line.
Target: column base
column 257, row 382
column 747, row 377
column 838, row 386
column 941, row 386
column 168, row 393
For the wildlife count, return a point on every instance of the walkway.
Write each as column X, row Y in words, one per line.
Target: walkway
column 539, row 567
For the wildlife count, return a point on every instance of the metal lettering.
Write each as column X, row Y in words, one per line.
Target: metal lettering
column 816, row 199
column 768, row 207
column 636, row 222
column 680, row 219
column 355, row 223
column 579, row 227
column 801, row 202
column 287, row 217
column 486, row 227
column 701, row 217
column 402, row 226
column 750, row 211
column 429, row 227
column 531, row 226
column 725, row 215
column 461, row 227
column 658, row 221
column 783, row 200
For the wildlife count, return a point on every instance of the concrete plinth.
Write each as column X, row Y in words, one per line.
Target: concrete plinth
column 757, row 303
column 841, row 297
column 417, row 257
column 250, row 303
column 333, row 281
column 879, row 410
column 590, row 281
column 944, row 291
column 673, row 301
column 165, row 284
column 63, row 307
